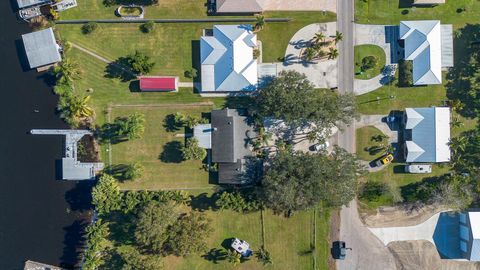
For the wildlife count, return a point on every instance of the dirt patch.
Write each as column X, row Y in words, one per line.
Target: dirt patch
column 423, row 255
column 88, row 150
column 334, row 235
column 399, row 215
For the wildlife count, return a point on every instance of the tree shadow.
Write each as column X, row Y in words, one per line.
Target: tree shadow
column 129, row 2
column 172, row 152
column 203, row 202
column 462, row 76
column 119, row 69
column 421, row 191
column 215, row 255
column 74, row 240
column 171, row 124
column 118, row 171
column 226, row 244
column 109, row 133
column 134, row 86
column 79, row 198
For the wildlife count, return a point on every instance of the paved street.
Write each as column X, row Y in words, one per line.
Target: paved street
column 346, row 138
column 368, row 252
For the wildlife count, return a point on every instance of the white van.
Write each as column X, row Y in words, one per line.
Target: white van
column 418, row 168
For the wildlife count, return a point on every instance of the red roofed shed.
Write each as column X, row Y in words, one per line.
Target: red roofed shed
column 158, row 83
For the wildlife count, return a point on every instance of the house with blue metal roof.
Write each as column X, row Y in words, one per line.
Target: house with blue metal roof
column 227, row 62
column 430, row 46
column 427, row 134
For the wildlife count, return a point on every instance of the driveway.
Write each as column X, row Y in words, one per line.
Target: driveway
column 328, row 5
column 442, row 230
column 323, row 74
column 384, row 36
column 368, row 252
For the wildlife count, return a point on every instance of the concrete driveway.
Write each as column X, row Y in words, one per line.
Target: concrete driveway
column 384, row 36
column 323, row 74
column 442, row 230
column 368, row 252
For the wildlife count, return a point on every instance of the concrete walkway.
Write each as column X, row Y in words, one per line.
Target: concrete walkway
column 384, row 36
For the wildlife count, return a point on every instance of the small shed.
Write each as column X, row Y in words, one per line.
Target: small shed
column 158, row 83
column 41, row 48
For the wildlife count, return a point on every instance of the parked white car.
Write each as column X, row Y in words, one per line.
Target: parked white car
column 418, row 168
column 322, row 146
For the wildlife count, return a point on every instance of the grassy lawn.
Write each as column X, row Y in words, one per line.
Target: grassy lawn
column 158, row 151
column 364, row 141
column 287, row 239
column 95, row 9
column 276, row 36
column 391, row 97
column 393, row 11
column 114, row 91
column 362, row 51
column 175, row 47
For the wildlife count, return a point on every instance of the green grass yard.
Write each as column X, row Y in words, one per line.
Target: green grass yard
column 287, row 239
column 364, row 140
column 158, row 151
column 391, row 97
column 394, row 11
column 362, row 51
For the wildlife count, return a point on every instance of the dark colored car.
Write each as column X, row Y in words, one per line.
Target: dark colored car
column 339, row 250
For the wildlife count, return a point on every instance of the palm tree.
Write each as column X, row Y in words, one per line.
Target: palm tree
column 67, row 71
column 319, row 37
column 456, row 122
column 338, row 37
column 80, row 108
column 234, row 257
column 332, row 53
column 264, row 137
column 309, row 54
column 259, row 23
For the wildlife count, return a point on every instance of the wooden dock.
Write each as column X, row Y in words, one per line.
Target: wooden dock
column 31, row 265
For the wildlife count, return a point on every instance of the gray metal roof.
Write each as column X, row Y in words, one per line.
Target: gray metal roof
column 239, row 6
column 41, row 48
column 28, row 3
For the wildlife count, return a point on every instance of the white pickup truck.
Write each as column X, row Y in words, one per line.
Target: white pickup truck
column 418, row 168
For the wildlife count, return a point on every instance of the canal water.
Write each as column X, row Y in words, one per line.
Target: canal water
column 41, row 218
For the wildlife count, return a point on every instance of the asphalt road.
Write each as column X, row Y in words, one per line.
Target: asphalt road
column 345, row 17
column 367, row 252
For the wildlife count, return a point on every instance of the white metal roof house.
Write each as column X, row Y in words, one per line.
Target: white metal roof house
column 470, row 235
column 227, row 63
column 430, row 46
column 427, row 134
column 29, row 3
column 41, row 48
column 428, row 2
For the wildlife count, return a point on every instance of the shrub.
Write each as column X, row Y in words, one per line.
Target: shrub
column 140, row 63
column 373, row 191
column 405, row 76
column 191, row 150
column 369, row 62
column 147, row 27
column 192, row 73
column 256, row 53
column 89, row 27
column 238, row 202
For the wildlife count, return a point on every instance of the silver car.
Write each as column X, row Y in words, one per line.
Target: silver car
column 418, row 168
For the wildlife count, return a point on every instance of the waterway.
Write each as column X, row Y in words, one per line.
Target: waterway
column 41, row 218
